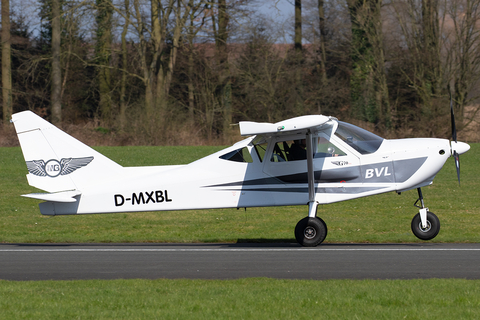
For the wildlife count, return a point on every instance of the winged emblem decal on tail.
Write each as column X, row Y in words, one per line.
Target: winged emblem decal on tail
column 54, row 168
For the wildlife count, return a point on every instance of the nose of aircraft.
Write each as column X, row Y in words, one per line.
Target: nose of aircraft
column 459, row 147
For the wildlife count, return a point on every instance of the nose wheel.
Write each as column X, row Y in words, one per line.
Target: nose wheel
column 428, row 232
column 425, row 224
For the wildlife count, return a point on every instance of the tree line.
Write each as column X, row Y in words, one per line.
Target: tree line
column 157, row 70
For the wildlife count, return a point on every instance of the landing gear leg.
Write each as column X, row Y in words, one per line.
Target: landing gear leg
column 425, row 224
column 311, row 230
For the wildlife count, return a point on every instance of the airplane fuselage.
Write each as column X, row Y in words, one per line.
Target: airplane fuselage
column 213, row 182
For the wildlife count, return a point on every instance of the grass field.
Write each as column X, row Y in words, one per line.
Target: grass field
column 241, row 299
column 383, row 218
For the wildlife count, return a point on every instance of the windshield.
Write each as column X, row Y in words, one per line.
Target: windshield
column 361, row 140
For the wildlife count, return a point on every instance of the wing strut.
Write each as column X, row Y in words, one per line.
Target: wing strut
column 312, row 204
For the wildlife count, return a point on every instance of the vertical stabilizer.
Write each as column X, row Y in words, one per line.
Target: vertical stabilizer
column 55, row 160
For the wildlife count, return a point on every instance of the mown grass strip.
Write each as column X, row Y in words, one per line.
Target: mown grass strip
column 382, row 218
column 241, row 299
column 257, row 298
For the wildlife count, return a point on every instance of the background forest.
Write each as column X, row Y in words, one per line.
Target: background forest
column 167, row 72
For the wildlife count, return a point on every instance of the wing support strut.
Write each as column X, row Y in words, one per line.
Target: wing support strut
column 312, row 204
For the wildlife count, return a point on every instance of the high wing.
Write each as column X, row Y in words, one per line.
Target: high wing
column 313, row 123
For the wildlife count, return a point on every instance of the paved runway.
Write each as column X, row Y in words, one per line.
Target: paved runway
column 231, row 261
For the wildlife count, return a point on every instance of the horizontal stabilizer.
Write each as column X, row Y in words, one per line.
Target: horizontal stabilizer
column 65, row 196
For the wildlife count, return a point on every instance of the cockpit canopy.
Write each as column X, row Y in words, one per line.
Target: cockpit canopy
column 359, row 139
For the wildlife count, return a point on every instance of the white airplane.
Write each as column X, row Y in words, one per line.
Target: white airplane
column 308, row 160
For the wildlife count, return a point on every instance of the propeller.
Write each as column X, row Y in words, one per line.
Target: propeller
column 454, row 138
column 457, row 148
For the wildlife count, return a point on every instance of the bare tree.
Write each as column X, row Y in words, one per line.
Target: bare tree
column 368, row 85
column 192, row 31
column 6, row 62
column 264, row 81
column 421, row 31
column 56, row 64
column 298, row 27
column 298, row 57
column 323, row 40
column 103, row 53
column 463, row 52
column 221, row 38
column 442, row 41
column 123, row 85
column 157, row 56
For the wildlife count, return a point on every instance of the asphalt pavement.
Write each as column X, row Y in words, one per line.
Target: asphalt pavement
column 233, row 261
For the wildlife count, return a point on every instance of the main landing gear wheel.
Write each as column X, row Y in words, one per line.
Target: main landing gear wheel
column 310, row 232
column 432, row 229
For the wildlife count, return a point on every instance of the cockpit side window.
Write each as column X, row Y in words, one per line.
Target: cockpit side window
column 260, row 144
column 240, row 155
column 327, row 149
column 261, row 149
column 293, row 150
column 359, row 139
column 289, row 150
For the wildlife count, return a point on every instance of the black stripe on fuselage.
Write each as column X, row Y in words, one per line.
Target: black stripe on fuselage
column 346, row 190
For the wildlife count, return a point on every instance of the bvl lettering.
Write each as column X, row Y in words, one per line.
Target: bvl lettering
column 383, row 171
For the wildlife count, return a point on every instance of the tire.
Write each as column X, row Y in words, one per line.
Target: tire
column 310, row 232
column 433, row 226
